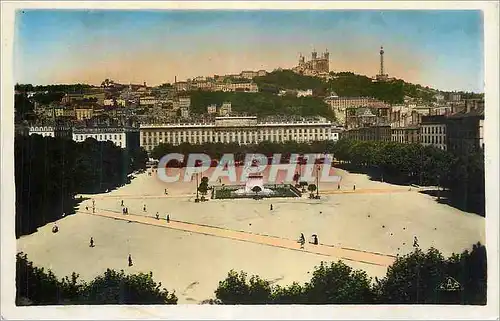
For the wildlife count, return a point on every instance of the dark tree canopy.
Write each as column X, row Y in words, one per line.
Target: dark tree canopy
column 36, row 286
column 415, row 278
column 50, row 171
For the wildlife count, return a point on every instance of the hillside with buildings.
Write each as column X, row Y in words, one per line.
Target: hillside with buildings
column 260, row 104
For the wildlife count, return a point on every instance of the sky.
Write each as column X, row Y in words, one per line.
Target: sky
column 440, row 49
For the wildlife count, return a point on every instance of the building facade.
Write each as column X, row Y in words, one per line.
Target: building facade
column 371, row 133
column 465, row 131
column 339, row 105
column 51, row 131
column 212, row 109
column 225, row 109
column 120, row 136
column 241, row 130
column 317, row 65
column 362, row 117
column 84, row 113
column 406, row 135
column 433, row 131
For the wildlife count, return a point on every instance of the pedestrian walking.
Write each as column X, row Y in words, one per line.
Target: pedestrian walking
column 130, row 260
column 157, row 216
column 415, row 241
column 91, row 242
column 354, row 188
column 302, row 240
column 93, row 209
column 166, row 191
column 168, row 218
column 122, row 203
column 338, row 186
column 87, row 208
column 126, row 210
column 271, row 208
column 144, row 208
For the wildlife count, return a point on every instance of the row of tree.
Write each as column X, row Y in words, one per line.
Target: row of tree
column 50, row 171
column 64, row 88
column 35, row 286
column 461, row 175
column 417, row 278
column 216, row 150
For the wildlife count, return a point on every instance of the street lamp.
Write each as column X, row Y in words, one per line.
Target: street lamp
column 197, row 199
column 317, row 181
column 439, row 181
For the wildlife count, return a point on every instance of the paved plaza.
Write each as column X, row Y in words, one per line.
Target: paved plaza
column 367, row 228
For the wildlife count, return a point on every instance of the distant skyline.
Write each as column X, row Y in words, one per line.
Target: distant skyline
column 440, row 49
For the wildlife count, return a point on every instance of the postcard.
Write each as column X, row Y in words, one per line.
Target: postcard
column 250, row 160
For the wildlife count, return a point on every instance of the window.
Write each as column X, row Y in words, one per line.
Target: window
column 115, row 136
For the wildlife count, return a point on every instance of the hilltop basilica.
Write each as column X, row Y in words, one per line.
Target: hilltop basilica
column 316, row 66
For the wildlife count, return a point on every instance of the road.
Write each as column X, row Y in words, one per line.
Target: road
column 320, row 249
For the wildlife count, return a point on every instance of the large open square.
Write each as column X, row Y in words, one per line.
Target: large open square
column 366, row 228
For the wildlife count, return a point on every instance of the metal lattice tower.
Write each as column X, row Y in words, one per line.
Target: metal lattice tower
column 381, row 61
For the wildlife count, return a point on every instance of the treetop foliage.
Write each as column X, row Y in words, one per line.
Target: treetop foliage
column 42, row 287
column 415, row 278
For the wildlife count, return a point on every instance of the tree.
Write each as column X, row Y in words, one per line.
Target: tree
column 235, row 289
column 292, row 294
column 311, row 188
column 334, row 284
column 203, row 187
column 117, row 288
column 416, row 277
column 38, row 287
column 412, row 278
column 338, row 284
column 470, row 270
column 23, row 108
column 35, row 284
column 50, row 171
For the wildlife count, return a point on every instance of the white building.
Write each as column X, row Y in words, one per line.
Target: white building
column 242, row 130
column 433, row 131
column 212, row 109
column 184, row 102
column 225, row 109
column 51, row 131
column 335, row 133
column 147, row 101
column 304, row 93
column 243, row 87
column 248, row 74
column 120, row 136
column 184, row 112
column 109, row 102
